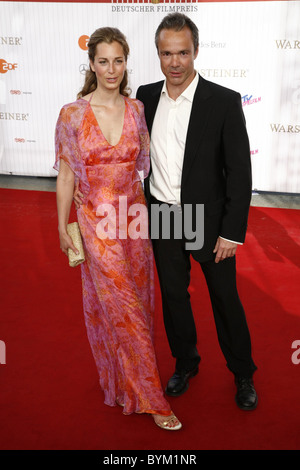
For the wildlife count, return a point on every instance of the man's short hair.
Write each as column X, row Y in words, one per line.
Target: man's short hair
column 178, row 21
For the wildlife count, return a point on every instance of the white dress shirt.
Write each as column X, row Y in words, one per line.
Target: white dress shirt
column 167, row 143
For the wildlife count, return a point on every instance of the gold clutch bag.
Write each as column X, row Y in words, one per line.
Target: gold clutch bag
column 74, row 232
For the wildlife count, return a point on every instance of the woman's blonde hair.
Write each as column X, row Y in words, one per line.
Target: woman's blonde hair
column 107, row 35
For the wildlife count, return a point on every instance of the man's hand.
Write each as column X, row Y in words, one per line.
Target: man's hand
column 78, row 196
column 224, row 249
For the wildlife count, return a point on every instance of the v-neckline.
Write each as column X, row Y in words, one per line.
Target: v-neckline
column 98, row 126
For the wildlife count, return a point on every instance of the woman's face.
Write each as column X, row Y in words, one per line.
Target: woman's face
column 109, row 65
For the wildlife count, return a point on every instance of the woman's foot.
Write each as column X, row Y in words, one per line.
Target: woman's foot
column 170, row 423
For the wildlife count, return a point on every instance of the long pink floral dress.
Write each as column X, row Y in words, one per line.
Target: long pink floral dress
column 117, row 276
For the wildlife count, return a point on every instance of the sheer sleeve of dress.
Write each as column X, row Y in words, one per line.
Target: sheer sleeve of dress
column 66, row 145
column 143, row 159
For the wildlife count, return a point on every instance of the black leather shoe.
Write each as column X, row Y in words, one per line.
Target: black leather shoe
column 179, row 382
column 246, row 397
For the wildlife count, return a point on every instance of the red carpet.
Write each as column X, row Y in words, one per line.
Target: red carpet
column 49, row 393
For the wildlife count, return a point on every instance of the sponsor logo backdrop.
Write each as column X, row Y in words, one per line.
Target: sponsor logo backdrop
column 251, row 47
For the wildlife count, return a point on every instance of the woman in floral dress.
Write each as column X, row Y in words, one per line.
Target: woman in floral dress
column 102, row 147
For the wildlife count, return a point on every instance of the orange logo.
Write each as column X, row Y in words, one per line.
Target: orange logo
column 83, row 41
column 5, row 66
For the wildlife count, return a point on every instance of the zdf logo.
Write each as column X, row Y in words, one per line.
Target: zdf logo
column 6, row 66
column 83, row 42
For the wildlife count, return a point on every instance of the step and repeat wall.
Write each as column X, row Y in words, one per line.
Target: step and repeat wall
column 251, row 47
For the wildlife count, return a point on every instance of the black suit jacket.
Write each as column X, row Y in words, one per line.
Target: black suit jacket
column 216, row 167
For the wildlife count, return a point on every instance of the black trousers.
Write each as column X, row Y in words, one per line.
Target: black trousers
column 173, row 267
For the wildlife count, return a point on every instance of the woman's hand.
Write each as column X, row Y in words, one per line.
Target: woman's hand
column 66, row 242
column 78, row 197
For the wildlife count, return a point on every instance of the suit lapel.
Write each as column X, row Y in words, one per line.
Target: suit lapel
column 200, row 111
column 201, row 108
column 151, row 106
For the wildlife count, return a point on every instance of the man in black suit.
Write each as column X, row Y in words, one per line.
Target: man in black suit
column 199, row 156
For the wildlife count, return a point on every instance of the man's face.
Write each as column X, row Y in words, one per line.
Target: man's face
column 176, row 53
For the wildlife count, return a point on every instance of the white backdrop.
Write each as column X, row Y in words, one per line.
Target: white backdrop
column 251, row 47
